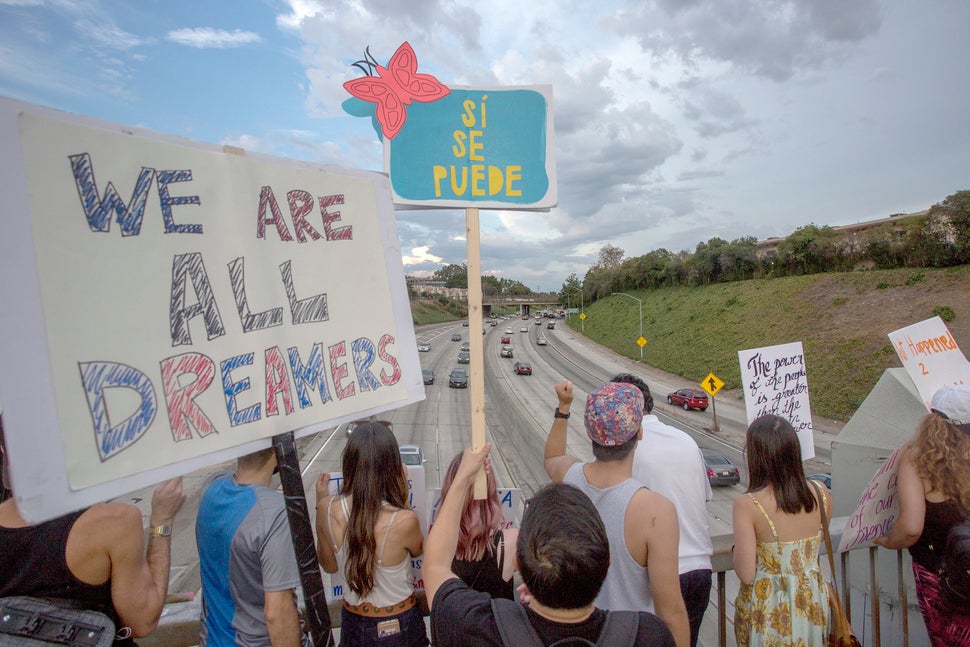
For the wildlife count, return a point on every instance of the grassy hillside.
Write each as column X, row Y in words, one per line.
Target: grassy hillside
column 842, row 319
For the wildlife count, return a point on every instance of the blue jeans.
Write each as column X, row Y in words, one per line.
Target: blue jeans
column 361, row 631
column 695, row 586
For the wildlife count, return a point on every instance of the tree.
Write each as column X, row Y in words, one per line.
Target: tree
column 570, row 290
column 453, row 276
column 956, row 209
column 610, row 257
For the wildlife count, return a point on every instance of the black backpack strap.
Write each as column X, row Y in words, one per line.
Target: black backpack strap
column 513, row 624
column 620, row 629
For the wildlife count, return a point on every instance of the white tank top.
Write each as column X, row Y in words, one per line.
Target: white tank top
column 392, row 584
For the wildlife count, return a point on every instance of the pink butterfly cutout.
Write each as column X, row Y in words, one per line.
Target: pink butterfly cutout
column 395, row 87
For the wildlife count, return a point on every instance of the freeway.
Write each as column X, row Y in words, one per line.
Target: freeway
column 518, row 412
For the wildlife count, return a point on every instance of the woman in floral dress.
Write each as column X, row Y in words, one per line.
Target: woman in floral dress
column 783, row 599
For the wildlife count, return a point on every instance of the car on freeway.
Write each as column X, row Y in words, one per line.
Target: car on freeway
column 524, row 329
column 508, row 331
column 424, row 347
column 522, row 368
column 825, row 479
column 720, row 469
column 464, row 357
column 505, row 352
column 541, row 341
column 428, row 375
column 506, row 339
column 412, row 455
column 551, row 325
column 689, row 399
column 465, row 346
column 456, row 337
column 492, row 323
column 458, row 379
column 465, row 324
column 538, row 322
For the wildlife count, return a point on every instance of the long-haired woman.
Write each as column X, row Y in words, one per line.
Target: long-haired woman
column 369, row 532
column 934, row 495
column 777, row 533
column 484, row 558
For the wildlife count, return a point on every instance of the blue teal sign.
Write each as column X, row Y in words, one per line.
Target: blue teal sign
column 476, row 147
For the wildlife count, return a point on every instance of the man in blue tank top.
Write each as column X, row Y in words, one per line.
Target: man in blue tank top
column 641, row 524
column 249, row 570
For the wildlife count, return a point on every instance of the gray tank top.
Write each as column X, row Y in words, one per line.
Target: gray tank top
column 627, row 586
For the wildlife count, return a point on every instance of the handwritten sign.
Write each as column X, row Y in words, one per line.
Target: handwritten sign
column 931, row 356
column 878, row 508
column 170, row 305
column 776, row 382
column 476, row 147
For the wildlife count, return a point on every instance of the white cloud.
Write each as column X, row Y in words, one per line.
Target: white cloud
column 209, row 38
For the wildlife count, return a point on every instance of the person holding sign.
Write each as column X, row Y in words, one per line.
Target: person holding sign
column 563, row 553
column 249, row 570
column 777, row 533
column 934, row 495
column 369, row 531
column 484, row 557
column 96, row 557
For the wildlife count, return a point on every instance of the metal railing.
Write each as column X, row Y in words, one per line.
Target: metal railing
column 179, row 626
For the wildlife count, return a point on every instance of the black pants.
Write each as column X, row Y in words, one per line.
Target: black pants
column 695, row 586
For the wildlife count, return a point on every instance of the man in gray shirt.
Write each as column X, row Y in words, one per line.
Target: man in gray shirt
column 249, row 571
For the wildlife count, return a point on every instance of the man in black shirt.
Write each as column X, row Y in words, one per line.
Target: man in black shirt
column 562, row 553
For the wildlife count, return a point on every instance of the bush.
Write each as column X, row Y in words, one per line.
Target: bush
column 915, row 278
column 882, row 286
column 945, row 313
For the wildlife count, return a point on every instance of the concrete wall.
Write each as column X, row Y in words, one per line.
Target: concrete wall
column 887, row 419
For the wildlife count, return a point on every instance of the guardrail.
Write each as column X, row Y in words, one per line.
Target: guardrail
column 179, row 625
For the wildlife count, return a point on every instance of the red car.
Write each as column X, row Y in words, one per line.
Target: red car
column 522, row 368
column 689, row 399
column 506, row 339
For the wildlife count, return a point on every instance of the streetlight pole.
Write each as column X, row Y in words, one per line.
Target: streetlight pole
column 582, row 310
column 640, row 304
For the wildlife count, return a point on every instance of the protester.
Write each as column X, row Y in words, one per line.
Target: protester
column 95, row 557
column 783, row 599
column 562, row 553
column 484, row 558
column 934, row 495
column 668, row 461
column 246, row 555
column 369, row 532
column 641, row 524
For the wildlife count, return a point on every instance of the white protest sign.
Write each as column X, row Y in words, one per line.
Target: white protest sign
column 931, row 356
column 877, row 510
column 776, row 382
column 168, row 305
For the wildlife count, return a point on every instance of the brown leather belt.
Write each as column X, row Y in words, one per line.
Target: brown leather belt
column 368, row 610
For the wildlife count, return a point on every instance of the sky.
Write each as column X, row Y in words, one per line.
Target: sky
column 676, row 121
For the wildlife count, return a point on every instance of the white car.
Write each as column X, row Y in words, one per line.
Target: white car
column 424, row 347
column 508, row 331
column 541, row 341
column 524, row 329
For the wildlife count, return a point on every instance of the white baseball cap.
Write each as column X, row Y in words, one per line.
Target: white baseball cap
column 953, row 403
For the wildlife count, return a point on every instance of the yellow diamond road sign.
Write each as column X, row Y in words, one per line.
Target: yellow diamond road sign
column 712, row 384
column 642, row 342
column 582, row 315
